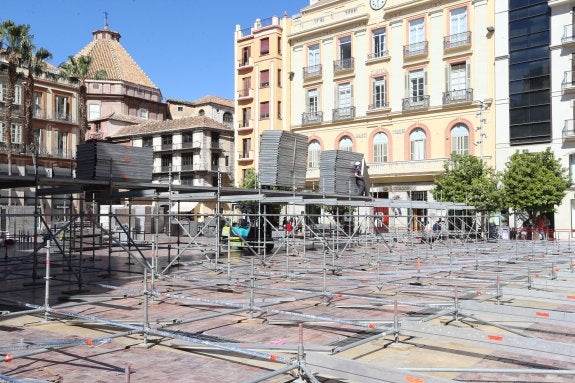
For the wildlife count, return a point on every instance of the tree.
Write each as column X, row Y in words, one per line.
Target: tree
column 35, row 60
column 251, row 179
column 469, row 180
column 534, row 182
column 77, row 70
column 13, row 40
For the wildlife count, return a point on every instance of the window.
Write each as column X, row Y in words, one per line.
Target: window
column 279, row 110
column 279, row 45
column 62, row 143
column 38, row 105
column 378, row 41
column 246, row 115
column 166, row 162
column 187, row 138
column 344, row 95
column 416, row 31
column 201, row 113
column 460, row 139
column 17, row 95
column 344, row 48
column 417, row 140
column 279, row 77
column 416, row 83
column 16, row 133
column 313, row 153
column 187, row 161
column 245, row 55
column 346, row 144
column 62, row 107
column 264, row 110
column 246, row 147
column 458, row 23
column 180, row 108
column 167, row 141
column 572, row 168
column 147, row 142
column 93, row 111
column 264, row 78
column 2, row 91
column 313, row 55
column 380, row 148
column 312, row 101
column 378, row 93
column 457, row 83
column 264, row 46
column 228, row 118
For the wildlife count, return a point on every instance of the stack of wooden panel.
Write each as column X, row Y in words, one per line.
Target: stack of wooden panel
column 283, row 159
column 336, row 172
column 104, row 161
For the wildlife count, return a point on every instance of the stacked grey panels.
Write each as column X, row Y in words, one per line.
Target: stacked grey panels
column 104, row 161
column 283, row 159
column 336, row 172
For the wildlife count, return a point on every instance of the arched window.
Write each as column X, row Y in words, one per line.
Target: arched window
column 346, row 144
column 460, row 139
column 380, row 148
column 228, row 118
column 201, row 112
column 313, row 152
column 417, row 144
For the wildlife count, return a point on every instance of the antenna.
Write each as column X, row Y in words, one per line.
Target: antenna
column 105, row 19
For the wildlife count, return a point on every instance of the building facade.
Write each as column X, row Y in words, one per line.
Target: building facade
column 405, row 84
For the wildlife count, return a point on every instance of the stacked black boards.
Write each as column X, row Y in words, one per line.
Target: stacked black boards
column 336, row 172
column 283, row 159
column 98, row 160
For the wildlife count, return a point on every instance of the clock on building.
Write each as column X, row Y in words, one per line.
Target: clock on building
column 376, row 4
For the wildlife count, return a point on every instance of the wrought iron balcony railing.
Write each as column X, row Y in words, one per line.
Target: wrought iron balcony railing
column 311, row 118
column 415, row 49
column 312, row 71
column 343, row 65
column 457, row 40
column 457, row 96
column 343, row 113
column 417, row 102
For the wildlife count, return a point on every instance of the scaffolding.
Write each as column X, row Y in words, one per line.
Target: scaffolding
column 355, row 295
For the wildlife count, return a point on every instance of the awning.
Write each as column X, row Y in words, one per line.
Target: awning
column 185, row 207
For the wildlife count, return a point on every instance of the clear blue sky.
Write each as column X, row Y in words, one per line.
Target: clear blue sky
column 184, row 46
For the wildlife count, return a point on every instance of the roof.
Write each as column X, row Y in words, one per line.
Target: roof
column 170, row 125
column 108, row 54
column 121, row 117
column 205, row 100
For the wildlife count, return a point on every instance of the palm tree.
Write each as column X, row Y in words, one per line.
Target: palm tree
column 77, row 70
column 35, row 60
column 14, row 38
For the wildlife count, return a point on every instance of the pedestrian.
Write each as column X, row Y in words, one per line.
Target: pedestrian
column 359, row 178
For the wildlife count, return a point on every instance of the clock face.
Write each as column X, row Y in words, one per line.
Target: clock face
column 376, row 4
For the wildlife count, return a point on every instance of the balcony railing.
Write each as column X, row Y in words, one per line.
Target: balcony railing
column 378, row 55
column 428, row 167
column 568, row 83
column 311, row 118
column 343, row 65
column 245, row 155
column 312, row 173
column 569, row 130
column 312, row 71
column 378, row 106
column 245, row 63
column 418, row 102
column 457, row 96
column 190, row 145
column 568, row 34
column 245, row 126
column 39, row 113
column 415, row 49
column 63, row 117
column 457, row 40
column 344, row 113
column 204, row 168
column 245, row 93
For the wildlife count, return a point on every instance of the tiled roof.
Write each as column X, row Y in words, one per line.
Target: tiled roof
column 205, row 100
column 170, row 125
column 108, row 54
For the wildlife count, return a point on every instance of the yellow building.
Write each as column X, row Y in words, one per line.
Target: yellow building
column 404, row 82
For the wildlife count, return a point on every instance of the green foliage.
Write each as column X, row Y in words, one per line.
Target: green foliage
column 534, row 182
column 251, row 180
column 469, row 180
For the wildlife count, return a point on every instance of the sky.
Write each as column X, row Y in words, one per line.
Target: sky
column 186, row 47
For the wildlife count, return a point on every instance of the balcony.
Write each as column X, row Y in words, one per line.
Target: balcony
column 189, row 145
column 345, row 113
column 378, row 107
column 378, row 56
column 312, row 71
column 414, row 103
column 245, row 94
column 63, row 117
column 165, row 147
column 344, row 65
column 245, row 127
column 245, row 157
column 457, row 96
column 165, row 169
column 457, row 40
column 568, row 35
column 415, row 49
column 204, row 168
column 569, row 130
column 216, row 145
column 245, row 64
column 568, row 83
column 407, row 168
column 311, row 118
column 40, row 114
column 312, row 173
